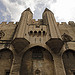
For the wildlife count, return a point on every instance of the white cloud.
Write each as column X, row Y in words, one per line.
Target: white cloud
column 5, row 14
column 63, row 9
column 15, row 8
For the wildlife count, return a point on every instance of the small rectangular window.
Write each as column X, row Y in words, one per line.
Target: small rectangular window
column 37, row 54
column 7, row 72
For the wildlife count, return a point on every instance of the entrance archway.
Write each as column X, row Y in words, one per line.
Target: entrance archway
column 6, row 57
column 69, row 62
column 37, row 61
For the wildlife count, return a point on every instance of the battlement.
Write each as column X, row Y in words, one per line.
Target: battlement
column 3, row 23
column 71, row 23
column 38, row 22
column 9, row 23
column 64, row 23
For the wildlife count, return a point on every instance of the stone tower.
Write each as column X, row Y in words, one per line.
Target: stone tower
column 43, row 47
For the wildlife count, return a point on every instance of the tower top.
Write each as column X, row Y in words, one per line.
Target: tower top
column 28, row 9
column 47, row 10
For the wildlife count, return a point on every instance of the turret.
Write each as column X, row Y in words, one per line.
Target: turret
column 26, row 18
column 19, row 41
column 55, row 37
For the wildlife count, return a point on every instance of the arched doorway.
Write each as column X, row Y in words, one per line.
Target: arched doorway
column 6, row 57
column 69, row 62
column 37, row 61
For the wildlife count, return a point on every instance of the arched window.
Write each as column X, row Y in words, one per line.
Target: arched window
column 69, row 62
column 31, row 33
column 37, row 53
column 44, row 33
column 6, row 58
column 35, row 32
column 37, row 61
column 39, row 33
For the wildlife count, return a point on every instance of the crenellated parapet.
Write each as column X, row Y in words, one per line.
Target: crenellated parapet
column 7, row 30
column 8, row 23
column 62, row 23
column 34, row 22
column 34, row 43
column 3, row 23
column 71, row 23
column 65, row 23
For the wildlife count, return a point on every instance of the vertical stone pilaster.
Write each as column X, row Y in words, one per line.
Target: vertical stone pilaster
column 55, row 24
column 26, row 18
column 15, row 69
column 59, row 66
column 54, row 42
column 49, row 19
column 51, row 25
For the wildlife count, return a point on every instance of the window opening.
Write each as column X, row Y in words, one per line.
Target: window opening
column 44, row 32
column 31, row 32
column 35, row 32
column 37, row 72
column 7, row 72
column 39, row 33
column 37, row 54
column 73, row 73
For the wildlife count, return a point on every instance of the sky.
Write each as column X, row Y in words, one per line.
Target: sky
column 10, row 10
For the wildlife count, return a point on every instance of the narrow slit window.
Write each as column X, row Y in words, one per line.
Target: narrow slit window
column 39, row 33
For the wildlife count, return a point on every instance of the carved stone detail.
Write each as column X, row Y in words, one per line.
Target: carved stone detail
column 1, row 34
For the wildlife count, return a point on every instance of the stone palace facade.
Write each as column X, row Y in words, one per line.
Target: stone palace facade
column 43, row 47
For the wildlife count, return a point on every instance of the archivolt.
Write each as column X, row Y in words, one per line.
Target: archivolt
column 31, row 46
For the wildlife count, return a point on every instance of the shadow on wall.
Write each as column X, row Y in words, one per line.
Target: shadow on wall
column 6, row 58
column 37, row 60
column 69, row 62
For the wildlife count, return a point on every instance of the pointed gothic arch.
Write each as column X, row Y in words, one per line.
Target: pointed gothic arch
column 37, row 61
column 6, row 58
column 69, row 61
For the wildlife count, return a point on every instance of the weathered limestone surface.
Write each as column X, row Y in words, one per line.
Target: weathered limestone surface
column 43, row 47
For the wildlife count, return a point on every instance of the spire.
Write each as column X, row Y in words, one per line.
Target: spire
column 28, row 9
column 47, row 10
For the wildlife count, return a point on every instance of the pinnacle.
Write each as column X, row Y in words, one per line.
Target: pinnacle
column 47, row 10
column 28, row 9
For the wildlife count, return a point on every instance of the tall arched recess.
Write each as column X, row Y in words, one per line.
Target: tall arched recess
column 6, row 57
column 37, row 61
column 69, row 62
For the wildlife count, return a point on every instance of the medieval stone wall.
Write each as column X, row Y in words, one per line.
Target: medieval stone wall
column 22, row 43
